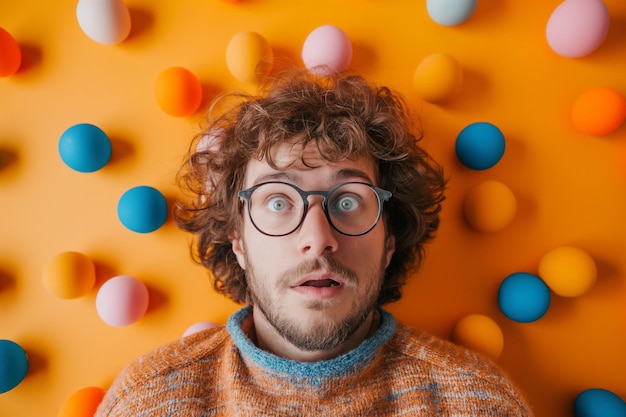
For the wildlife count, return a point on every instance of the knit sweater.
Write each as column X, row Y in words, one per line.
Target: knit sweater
column 395, row 372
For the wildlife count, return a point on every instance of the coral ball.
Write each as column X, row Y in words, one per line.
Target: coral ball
column 523, row 297
column 142, row 209
column 69, row 275
column 327, row 49
column 178, row 91
column 599, row 111
column 82, row 403
column 489, row 206
column 104, row 21
column 480, row 333
column 599, row 402
column 568, row 271
column 480, row 145
column 10, row 54
column 13, row 365
column 577, row 27
column 85, row 148
column 437, row 78
column 249, row 57
column 122, row 300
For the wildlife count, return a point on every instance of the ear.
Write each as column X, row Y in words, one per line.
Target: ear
column 390, row 248
column 238, row 249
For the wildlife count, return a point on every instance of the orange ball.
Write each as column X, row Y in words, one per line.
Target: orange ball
column 480, row 333
column 249, row 56
column 10, row 54
column 82, row 403
column 568, row 271
column 490, row 206
column 437, row 78
column 69, row 275
column 599, row 111
column 178, row 91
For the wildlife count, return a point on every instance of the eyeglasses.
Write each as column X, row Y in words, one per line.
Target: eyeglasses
column 279, row 208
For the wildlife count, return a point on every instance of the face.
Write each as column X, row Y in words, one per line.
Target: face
column 315, row 286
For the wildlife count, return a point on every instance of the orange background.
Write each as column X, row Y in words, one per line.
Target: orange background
column 570, row 187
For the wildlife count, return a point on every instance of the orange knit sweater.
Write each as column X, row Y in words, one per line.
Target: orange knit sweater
column 396, row 372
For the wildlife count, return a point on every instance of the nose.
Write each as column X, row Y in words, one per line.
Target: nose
column 316, row 237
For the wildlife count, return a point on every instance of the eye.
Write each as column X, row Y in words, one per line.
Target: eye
column 347, row 203
column 278, row 203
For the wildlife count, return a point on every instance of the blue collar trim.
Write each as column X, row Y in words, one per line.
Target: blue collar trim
column 341, row 365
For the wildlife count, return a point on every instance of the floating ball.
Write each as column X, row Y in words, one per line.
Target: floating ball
column 327, row 49
column 523, row 297
column 104, row 21
column 142, row 209
column 480, row 145
column 85, row 148
column 249, row 57
column 437, row 78
column 450, row 12
column 178, row 91
column 577, row 27
column 568, row 271
column 10, row 54
column 69, row 275
column 480, row 333
column 598, row 402
column 198, row 327
column 599, row 111
column 82, row 403
column 13, row 365
column 489, row 206
column 122, row 300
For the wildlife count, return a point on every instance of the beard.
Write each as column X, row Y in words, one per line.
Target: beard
column 320, row 331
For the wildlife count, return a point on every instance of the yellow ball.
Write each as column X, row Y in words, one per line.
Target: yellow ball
column 479, row 333
column 249, row 56
column 437, row 78
column 568, row 271
column 69, row 275
column 490, row 206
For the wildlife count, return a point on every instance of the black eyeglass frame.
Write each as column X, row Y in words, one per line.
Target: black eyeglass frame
column 381, row 194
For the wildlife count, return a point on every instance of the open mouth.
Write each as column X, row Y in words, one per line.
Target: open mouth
column 320, row 283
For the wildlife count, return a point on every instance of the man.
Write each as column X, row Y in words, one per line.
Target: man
column 312, row 203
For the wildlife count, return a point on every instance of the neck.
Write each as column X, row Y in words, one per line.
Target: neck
column 265, row 336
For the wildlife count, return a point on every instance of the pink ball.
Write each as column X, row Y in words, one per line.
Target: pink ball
column 577, row 27
column 122, row 300
column 198, row 327
column 327, row 49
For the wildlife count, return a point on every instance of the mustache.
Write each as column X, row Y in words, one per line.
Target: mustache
column 330, row 265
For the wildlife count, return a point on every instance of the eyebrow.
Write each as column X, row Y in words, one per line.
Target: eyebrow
column 340, row 174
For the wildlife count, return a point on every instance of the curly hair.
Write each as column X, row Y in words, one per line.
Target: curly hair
column 344, row 116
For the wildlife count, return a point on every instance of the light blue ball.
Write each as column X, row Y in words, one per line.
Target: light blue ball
column 523, row 297
column 85, row 148
column 480, row 145
column 142, row 209
column 598, row 402
column 13, row 365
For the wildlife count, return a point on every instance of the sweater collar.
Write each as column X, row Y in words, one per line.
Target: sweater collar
column 346, row 363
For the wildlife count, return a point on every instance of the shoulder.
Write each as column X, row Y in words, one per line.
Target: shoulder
column 194, row 356
column 453, row 368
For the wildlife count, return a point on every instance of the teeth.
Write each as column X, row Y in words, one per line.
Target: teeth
column 321, row 283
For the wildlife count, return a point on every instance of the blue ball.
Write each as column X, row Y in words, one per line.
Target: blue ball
column 142, row 209
column 480, row 146
column 598, row 402
column 85, row 148
column 13, row 365
column 523, row 297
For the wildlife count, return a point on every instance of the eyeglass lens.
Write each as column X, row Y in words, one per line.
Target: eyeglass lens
column 279, row 208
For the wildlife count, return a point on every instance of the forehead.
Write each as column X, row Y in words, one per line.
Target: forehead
column 306, row 166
